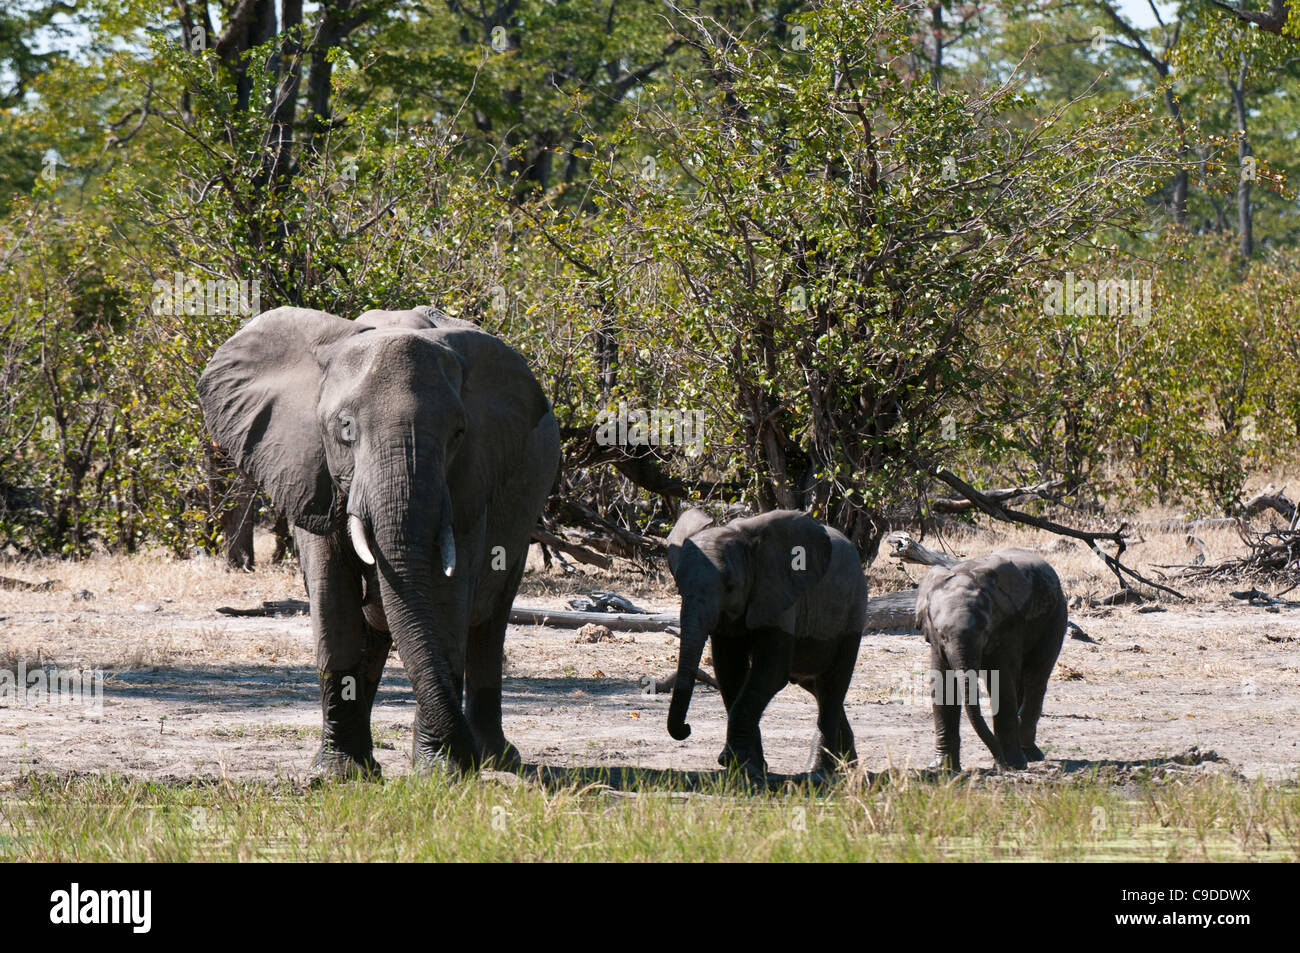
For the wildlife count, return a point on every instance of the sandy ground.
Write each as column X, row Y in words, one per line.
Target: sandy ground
column 192, row 693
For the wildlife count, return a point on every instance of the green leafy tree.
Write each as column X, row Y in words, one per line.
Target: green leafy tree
column 838, row 231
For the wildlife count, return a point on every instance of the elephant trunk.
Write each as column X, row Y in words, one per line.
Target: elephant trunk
column 697, row 622
column 414, row 551
column 422, row 644
column 969, row 686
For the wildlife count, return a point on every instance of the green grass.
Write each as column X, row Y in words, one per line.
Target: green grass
column 890, row 817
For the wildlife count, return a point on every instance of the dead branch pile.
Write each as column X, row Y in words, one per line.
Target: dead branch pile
column 1273, row 552
column 1010, row 494
column 576, row 530
column 1001, row 511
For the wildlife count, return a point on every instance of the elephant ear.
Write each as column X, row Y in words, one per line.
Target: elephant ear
column 687, row 525
column 791, row 554
column 929, row 583
column 503, row 401
column 259, row 394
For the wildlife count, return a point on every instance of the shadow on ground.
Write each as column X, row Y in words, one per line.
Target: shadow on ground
column 259, row 684
column 241, row 687
column 668, row 780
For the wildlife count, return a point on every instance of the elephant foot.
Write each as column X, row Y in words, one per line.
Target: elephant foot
column 747, row 762
column 435, row 764
column 822, row 778
column 502, row 757
column 346, row 749
column 1013, row 760
column 1033, row 753
column 826, row 761
column 430, row 755
column 944, row 762
column 330, row 764
column 832, row 764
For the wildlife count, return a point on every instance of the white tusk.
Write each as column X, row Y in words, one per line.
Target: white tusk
column 447, row 542
column 357, row 533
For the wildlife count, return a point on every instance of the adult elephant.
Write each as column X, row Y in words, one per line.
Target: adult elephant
column 413, row 453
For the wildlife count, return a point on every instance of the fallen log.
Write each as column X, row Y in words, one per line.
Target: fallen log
column 887, row 611
column 902, row 546
column 892, row 611
column 271, row 607
column 1270, row 499
column 8, row 582
column 664, row 686
column 568, row 619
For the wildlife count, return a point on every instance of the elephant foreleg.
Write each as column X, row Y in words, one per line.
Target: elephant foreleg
column 947, row 715
column 350, row 656
column 1006, row 720
column 483, row 673
column 771, row 653
column 347, row 697
column 730, row 665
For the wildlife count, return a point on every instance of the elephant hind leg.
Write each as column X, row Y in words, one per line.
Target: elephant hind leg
column 947, row 714
column 1006, row 721
column 834, row 741
column 1033, row 687
column 484, row 657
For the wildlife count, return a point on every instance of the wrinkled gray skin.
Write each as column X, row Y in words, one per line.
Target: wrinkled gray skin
column 413, row 453
column 1002, row 611
column 784, row 599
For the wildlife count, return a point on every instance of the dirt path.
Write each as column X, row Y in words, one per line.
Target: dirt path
column 189, row 692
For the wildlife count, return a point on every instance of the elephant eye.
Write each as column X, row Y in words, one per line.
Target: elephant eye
column 347, row 428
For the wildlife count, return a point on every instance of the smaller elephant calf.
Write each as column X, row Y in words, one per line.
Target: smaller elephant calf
column 999, row 617
column 784, row 600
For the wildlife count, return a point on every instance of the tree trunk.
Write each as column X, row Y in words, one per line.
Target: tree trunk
column 1245, row 232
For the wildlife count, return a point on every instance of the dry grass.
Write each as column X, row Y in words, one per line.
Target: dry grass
column 144, row 595
column 1082, row 573
column 64, row 629
column 134, row 586
column 190, row 693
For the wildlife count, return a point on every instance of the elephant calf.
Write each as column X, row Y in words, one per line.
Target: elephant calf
column 1000, row 617
column 784, row 599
